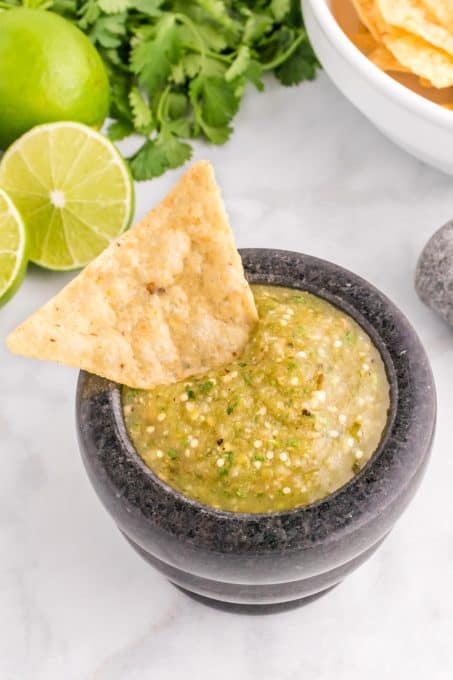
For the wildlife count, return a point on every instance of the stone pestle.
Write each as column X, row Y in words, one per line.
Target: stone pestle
column 434, row 273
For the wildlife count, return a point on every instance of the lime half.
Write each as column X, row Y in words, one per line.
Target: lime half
column 13, row 248
column 73, row 190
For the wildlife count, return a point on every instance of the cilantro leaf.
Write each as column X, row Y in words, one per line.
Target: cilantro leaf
column 214, row 100
column 219, row 101
column 119, row 97
column 254, row 74
column 158, row 155
column 149, row 161
column 141, row 113
column 217, row 10
column 89, row 13
column 113, row 57
column 301, row 65
column 177, row 152
column 177, row 105
column 214, row 103
column 256, row 26
column 294, row 16
column 150, row 8
column 212, row 37
column 113, row 6
column 206, row 386
column 204, row 33
column 191, row 65
column 67, row 8
column 119, row 129
column 216, row 135
column 109, row 30
column 183, row 127
column 280, row 8
column 152, row 59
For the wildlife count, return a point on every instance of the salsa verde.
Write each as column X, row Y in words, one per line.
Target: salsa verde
column 291, row 420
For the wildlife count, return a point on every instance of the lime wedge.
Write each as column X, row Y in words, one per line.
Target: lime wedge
column 73, row 190
column 13, row 248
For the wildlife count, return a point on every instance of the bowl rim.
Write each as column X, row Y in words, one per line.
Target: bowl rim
column 339, row 508
column 388, row 86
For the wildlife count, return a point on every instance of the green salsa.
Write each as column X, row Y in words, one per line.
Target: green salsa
column 287, row 423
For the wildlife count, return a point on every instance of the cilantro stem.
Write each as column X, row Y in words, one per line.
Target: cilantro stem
column 283, row 57
column 213, row 55
column 161, row 107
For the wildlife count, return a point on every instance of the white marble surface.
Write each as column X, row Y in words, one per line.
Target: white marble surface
column 303, row 171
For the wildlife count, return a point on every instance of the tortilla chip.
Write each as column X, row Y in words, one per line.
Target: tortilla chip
column 414, row 53
column 424, row 82
column 378, row 54
column 421, row 58
column 166, row 300
column 441, row 11
column 364, row 41
column 369, row 16
column 385, row 60
column 414, row 18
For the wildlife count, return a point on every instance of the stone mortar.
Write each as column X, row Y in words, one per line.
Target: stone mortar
column 284, row 556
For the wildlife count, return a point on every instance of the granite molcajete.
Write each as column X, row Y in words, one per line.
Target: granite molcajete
column 284, row 556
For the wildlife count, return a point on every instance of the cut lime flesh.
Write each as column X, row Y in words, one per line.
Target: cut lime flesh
column 73, row 190
column 13, row 248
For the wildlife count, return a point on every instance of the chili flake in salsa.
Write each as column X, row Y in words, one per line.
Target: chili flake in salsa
column 294, row 418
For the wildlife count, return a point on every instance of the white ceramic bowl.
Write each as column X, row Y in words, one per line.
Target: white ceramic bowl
column 419, row 126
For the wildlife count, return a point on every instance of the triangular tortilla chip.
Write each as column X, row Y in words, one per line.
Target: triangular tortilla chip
column 166, row 300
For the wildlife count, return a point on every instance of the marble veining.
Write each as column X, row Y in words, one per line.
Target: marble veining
column 303, row 171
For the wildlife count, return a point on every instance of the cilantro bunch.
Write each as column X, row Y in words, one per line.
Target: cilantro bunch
column 178, row 68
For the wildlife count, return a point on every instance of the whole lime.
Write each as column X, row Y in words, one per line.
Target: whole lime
column 49, row 71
